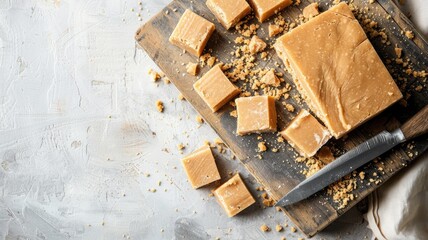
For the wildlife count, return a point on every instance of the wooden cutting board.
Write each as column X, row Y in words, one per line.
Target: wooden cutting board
column 278, row 172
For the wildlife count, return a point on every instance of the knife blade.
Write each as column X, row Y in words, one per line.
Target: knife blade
column 358, row 156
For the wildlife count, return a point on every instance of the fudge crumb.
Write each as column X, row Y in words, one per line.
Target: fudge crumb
column 362, row 175
column 256, row 45
column 181, row 97
column 371, row 1
column 267, row 200
column 398, row 52
column 262, row 147
column 192, row 68
column 409, row 34
column 293, row 229
column 311, row 10
column 289, row 107
column 274, row 30
column 211, row 61
column 264, row 228
column 279, row 228
column 199, row 119
column 180, row 146
column 233, row 114
column 154, row 75
column 270, row 78
column 159, row 106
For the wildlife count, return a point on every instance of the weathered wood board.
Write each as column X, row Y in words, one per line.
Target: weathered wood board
column 278, row 172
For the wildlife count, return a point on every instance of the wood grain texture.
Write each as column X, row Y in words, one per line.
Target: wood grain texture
column 417, row 125
column 278, row 172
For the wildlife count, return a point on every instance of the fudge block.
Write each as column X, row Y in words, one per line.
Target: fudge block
column 266, row 8
column 215, row 88
column 234, row 196
column 337, row 70
column 306, row 134
column 255, row 114
column 192, row 33
column 227, row 12
column 200, row 167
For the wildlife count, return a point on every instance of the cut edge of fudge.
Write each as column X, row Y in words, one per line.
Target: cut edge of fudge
column 220, row 15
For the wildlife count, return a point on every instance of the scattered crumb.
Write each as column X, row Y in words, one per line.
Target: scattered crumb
column 211, row 61
column 279, row 228
column 267, row 200
column 154, row 75
column 264, row 228
column 159, row 106
column 293, row 229
column 180, row 146
column 181, row 97
column 199, row 119
column 274, row 30
column 192, row 68
column 256, row 45
column 262, row 147
column 409, row 34
column 398, row 52
column 362, row 175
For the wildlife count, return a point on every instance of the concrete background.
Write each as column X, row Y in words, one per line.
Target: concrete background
column 81, row 141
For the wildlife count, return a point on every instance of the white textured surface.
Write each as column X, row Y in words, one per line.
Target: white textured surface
column 79, row 131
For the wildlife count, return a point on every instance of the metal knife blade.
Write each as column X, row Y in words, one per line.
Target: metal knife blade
column 348, row 162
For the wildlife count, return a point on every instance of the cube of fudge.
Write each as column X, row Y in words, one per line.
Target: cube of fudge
column 192, row 33
column 270, row 78
column 227, row 12
column 337, row 70
column 255, row 114
column 215, row 88
column 311, row 10
column 200, row 167
column 234, row 196
column 266, row 8
column 305, row 134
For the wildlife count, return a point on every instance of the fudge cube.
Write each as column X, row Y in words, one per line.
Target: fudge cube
column 234, row 196
column 192, row 33
column 255, row 114
column 305, row 134
column 200, row 167
column 227, row 12
column 266, row 8
column 337, row 70
column 215, row 88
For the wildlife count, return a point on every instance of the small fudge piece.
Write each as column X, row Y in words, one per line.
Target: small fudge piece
column 256, row 114
column 306, row 134
column 311, row 10
column 270, row 78
column 266, row 8
column 200, row 167
column 215, row 88
column 234, row 196
column 192, row 33
column 256, row 45
column 227, row 12
column 192, row 68
column 274, row 30
column 337, row 70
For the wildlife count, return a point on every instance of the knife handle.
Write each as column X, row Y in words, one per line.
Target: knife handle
column 417, row 125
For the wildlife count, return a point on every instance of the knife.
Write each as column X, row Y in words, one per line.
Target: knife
column 358, row 156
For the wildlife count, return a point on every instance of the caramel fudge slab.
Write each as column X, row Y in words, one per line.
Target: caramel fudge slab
column 215, row 88
column 234, row 196
column 255, row 114
column 266, row 8
column 306, row 134
column 192, row 33
column 337, row 70
column 200, row 167
column 228, row 12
